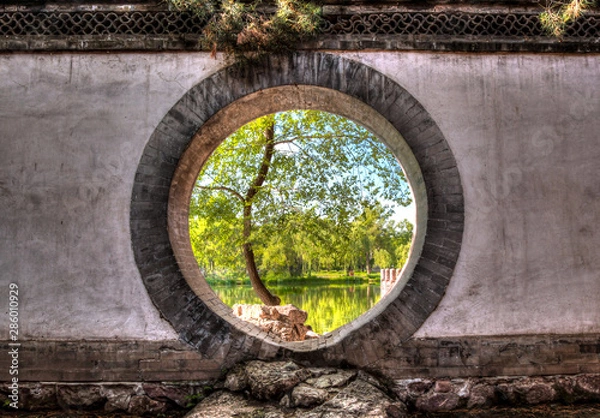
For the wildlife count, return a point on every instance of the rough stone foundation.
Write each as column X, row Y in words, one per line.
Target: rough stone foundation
column 304, row 389
column 132, row 398
column 425, row 374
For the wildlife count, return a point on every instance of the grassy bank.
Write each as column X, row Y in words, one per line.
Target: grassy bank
column 319, row 278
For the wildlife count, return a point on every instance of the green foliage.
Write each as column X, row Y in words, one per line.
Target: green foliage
column 193, row 400
column 246, row 32
column 326, row 201
column 382, row 257
column 558, row 15
column 378, row 238
column 402, row 254
column 211, row 253
column 196, row 398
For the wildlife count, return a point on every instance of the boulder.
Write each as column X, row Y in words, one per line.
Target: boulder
column 588, row 387
column 118, row 397
column 438, row 402
column 222, row 405
column 39, row 397
column 539, row 393
column 482, row 395
column 81, row 397
column 236, row 380
column 361, row 399
column 337, row 379
column 168, row 393
column 342, row 393
column 409, row 390
column 143, row 405
column 308, row 396
column 526, row 391
column 270, row 381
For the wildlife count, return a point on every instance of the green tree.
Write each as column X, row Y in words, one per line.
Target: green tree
column 383, row 258
column 379, row 240
column 401, row 243
column 290, row 185
column 367, row 232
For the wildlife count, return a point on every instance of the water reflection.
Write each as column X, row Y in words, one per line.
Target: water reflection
column 329, row 306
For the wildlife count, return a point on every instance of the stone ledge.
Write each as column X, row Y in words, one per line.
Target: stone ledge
column 528, row 355
column 108, row 360
column 159, row 361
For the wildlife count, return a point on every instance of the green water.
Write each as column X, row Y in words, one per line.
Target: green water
column 329, row 305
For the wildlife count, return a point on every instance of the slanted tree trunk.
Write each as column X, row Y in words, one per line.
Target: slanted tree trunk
column 259, row 287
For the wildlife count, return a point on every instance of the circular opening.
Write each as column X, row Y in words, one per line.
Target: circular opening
column 282, row 99
column 301, row 207
column 213, row 110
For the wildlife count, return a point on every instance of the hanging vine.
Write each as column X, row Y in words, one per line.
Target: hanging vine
column 557, row 15
column 247, row 31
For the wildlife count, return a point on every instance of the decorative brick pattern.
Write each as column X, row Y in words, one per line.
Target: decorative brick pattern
column 131, row 27
column 205, row 323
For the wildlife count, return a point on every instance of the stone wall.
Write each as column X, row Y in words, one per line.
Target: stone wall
column 163, row 361
column 425, row 374
column 521, row 298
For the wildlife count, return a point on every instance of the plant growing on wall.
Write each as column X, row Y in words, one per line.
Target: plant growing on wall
column 247, row 31
column 558, row 15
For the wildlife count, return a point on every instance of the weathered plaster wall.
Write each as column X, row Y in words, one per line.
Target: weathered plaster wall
column 73, row 129
column 523, row 130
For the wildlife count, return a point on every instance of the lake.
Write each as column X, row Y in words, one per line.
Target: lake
column 330, row 304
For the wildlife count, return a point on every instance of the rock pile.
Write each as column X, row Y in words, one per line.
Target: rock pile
column 285, row 322
column 286, row 390
column 440, row 395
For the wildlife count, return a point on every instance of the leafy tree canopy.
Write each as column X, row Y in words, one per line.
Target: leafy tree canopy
column 298, row 190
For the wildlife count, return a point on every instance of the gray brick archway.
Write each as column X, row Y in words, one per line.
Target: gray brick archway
column 202, row 119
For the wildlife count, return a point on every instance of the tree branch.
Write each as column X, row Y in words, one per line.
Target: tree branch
column 264, row 167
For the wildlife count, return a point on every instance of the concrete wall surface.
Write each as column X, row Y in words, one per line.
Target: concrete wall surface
column 523, row 128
